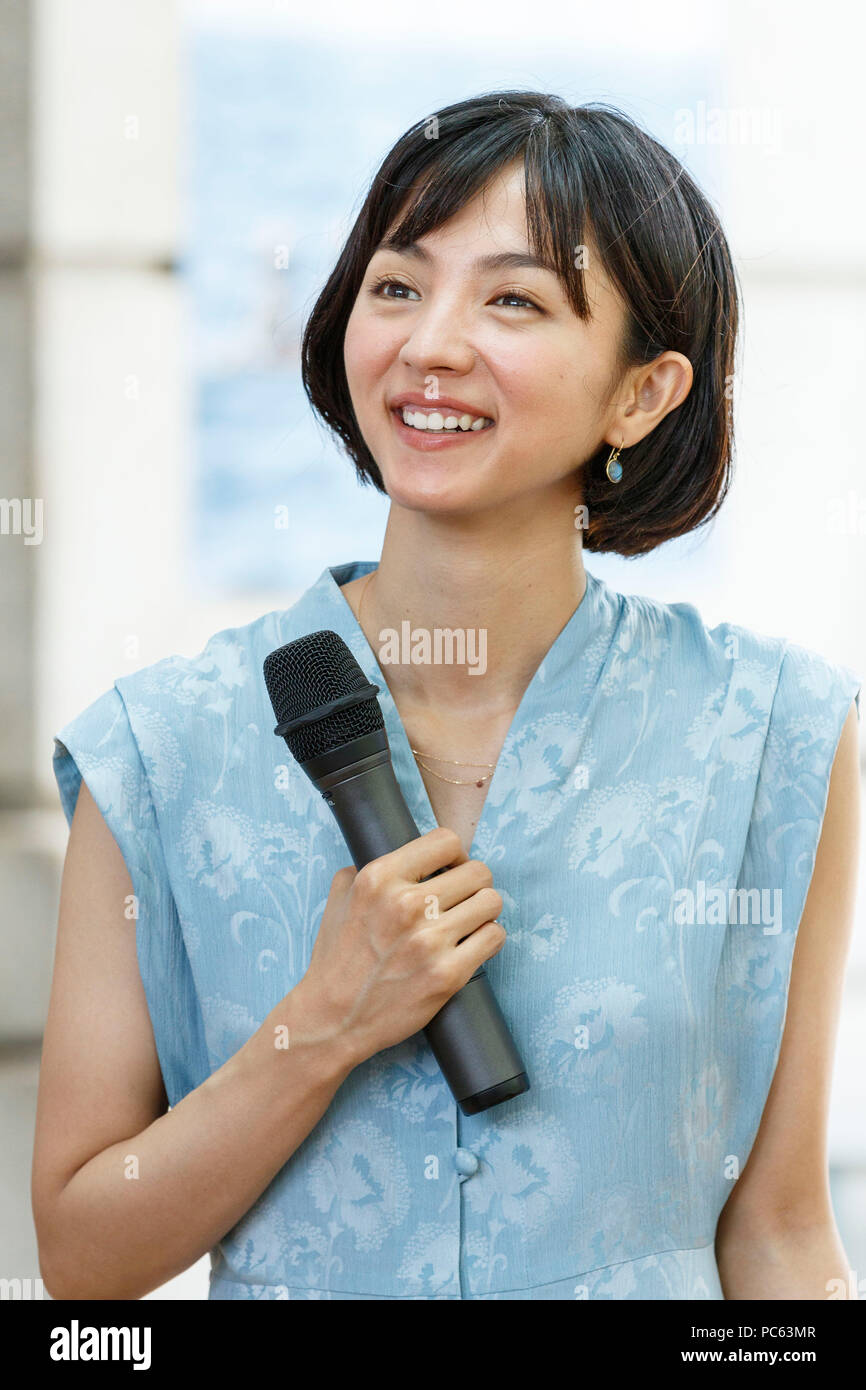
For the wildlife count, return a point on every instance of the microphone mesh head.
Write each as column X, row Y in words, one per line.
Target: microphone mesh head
column 309, row 672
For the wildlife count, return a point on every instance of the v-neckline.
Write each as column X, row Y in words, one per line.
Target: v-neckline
column 554, row 667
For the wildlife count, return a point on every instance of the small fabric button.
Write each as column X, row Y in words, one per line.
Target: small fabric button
column 466, row 1162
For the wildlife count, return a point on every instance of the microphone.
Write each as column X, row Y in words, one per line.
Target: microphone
column 328, row 714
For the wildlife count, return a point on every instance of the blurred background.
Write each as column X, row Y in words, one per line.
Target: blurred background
column 175, row 183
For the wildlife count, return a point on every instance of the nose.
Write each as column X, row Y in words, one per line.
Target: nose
column 438, row 342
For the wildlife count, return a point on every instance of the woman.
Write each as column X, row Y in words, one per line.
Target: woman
column 528, row 344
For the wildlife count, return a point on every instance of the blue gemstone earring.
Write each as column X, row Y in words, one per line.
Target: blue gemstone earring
column 613, row 468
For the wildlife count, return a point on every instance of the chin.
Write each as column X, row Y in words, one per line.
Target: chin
column 437, row 495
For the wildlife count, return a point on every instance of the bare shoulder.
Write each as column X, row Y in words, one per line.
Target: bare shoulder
column 784, row 1183
column 100, row 1078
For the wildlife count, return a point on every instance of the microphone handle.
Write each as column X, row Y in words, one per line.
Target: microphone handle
column 468, row 1036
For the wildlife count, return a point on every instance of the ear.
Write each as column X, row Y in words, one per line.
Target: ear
column 654, row 391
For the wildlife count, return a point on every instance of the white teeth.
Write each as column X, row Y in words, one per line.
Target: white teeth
column 438, row 422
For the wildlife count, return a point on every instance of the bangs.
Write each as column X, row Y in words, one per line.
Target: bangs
column 462, row 166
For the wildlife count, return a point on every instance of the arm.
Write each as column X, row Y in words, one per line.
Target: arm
column 776, row 1237
column 201, row 1165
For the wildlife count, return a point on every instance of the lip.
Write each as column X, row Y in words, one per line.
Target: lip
column 439, row 403
column 429, row 443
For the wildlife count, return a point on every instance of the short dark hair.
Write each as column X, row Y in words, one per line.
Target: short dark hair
column 592, row 176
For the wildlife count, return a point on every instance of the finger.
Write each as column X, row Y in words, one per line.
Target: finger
column 479, row 947
column 455, row 885
column 430, row 853
column 343, row 880
column 483, row 907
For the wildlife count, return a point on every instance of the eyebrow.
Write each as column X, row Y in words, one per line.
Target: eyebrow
column 501, row 260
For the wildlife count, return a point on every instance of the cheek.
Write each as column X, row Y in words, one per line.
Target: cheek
column 367, row 349
column 353, row 348
column 546, row 380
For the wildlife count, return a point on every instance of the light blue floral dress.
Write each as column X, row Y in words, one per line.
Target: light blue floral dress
column 651, row 825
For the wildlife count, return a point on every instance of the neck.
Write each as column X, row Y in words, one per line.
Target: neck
column 510, row 583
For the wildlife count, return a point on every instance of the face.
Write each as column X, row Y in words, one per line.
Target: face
column 456, row 337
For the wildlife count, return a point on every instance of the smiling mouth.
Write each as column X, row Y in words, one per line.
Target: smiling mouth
column 439, row 423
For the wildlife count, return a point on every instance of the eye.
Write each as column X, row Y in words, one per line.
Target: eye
column 522, row 301
column 384, row 282
column 378, row 287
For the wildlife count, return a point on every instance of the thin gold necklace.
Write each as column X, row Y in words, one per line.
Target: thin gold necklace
column 455, row 782
column 454, row 762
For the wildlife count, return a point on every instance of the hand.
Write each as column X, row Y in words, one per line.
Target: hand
column 391, row 949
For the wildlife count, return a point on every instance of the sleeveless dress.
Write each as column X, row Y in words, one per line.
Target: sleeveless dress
column 651, row 825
